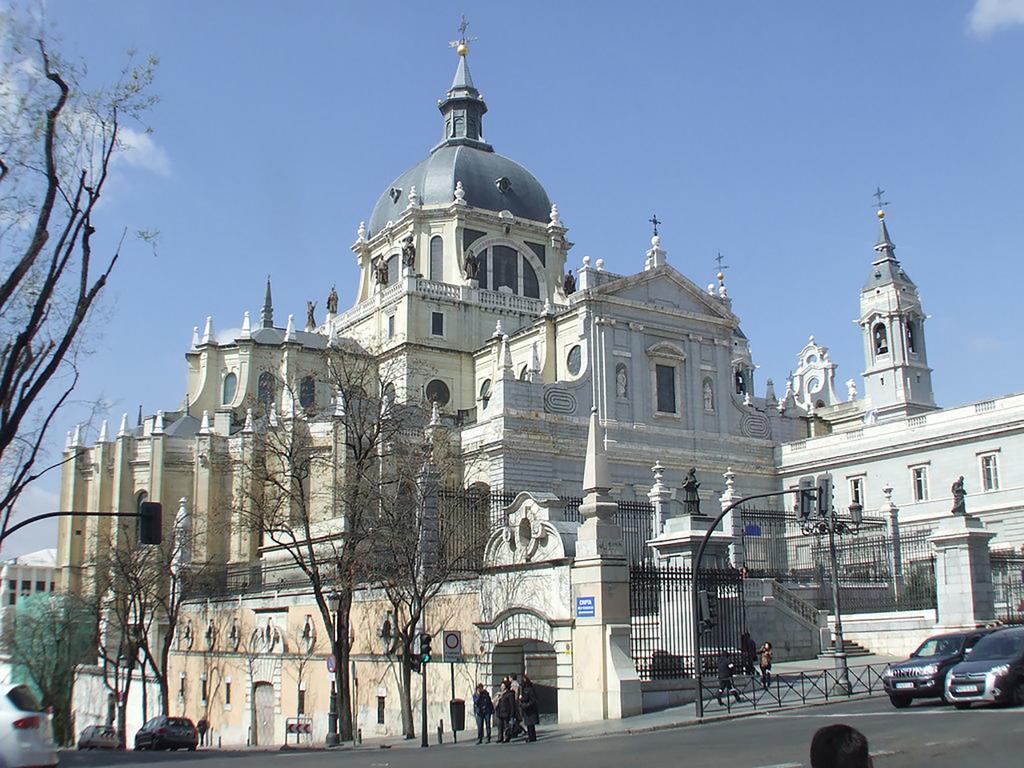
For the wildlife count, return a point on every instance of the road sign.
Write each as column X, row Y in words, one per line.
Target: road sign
column 586, row 607
column 332, row 664
column 452, row 645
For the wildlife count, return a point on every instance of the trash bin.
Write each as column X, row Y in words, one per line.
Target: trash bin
column 457, row 711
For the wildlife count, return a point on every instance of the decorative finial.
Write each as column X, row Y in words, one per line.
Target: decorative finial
column 414, row 198
column 460, row 194
column 195, row 336
column 600, row 265
column 246, row 325
column 498, row 333
column 361, row 232
column 556, row 217
column 76, row 436
column 878, row 194
column 67, row 441
column 461, row 45
column 719, row 260
column 654, row 220
column 204, row 425
column 158, row 423
column 123, row 429
column 659, row 473
column 289, row 331
column 339, row 404
column 248, row 427
column 103, row 432
column 435, row 414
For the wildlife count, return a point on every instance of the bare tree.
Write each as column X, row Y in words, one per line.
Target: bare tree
column 57, row 142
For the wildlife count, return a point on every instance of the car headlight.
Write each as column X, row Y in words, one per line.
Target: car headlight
column 1002, row 669
column 887, row 672
column 928, row 670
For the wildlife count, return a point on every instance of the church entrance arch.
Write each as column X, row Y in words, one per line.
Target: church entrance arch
column 535, row 658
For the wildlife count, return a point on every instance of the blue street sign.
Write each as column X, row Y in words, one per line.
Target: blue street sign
column 585, row 608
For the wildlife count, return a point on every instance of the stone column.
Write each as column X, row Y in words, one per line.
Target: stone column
column 733, row 522
column 605, row 685
column 660, row 496
column 963, row 572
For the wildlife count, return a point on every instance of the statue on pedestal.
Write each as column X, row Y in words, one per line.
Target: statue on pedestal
column 408, row 252
column 471, row 265
column 332, row 301
column 310, row 315
column 569, row 284
column 959, row 494
column 691, row 499
column 380, row 271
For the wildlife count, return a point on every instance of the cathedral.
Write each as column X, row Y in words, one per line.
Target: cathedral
column 468, row 290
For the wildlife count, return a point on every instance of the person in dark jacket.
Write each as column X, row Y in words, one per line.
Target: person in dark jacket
column 749, row 653
column 505, row 709
column 483, row 708
column 726, row 670
column 528, row 707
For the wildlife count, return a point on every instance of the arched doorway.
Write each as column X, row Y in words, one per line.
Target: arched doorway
column 535, row 658
column 263, row 714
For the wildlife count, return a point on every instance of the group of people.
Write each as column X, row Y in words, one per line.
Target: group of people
column 515, row 707
column 751, row 655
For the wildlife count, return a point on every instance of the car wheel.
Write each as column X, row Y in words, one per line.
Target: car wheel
column 900, row 702
column 962, row 704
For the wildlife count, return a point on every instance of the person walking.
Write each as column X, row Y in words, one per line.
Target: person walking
column 765, row 662
column 517, row 715
column 726, row 670
column 483, row 708
column 528, row 707
column 505, row 710
column 202, row 727
column 749, row 648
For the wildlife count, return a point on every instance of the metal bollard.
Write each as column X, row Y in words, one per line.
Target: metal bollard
column 440, row 731
column 359, row 736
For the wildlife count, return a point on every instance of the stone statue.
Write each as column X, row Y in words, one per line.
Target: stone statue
column 691, row 500
column 709, row 396
column 310, row 314
column 471, row 265
column 332, row 301
column 569, row 284
column 959, row 494
column 621, row 382
column 408, row 252
column 380, row 271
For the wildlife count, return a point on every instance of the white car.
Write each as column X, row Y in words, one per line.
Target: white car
column 26, row 730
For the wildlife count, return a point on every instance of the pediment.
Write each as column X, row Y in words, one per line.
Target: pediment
column 667, row 288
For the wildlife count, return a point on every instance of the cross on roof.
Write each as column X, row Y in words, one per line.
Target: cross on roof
column 463, row 26
column 719, row 259
column 878, row 194
column 655, row 222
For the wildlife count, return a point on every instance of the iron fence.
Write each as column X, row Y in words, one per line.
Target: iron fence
column 790, row 688
column 881, row 568
column 662, row 619
column 1008, row 583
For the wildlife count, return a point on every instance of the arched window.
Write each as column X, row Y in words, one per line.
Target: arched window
column 621, row 381
column 531, row 287
column 741, row 382
column 911, row 336
column 393, row 270
column 436, row 258
column 141, row 498
column 485, row 391
column 307, row 392
column 230, row 387
column 574, row 360
column 265, row 390
column 505, row 262
column 524, row 372
column 881, row 338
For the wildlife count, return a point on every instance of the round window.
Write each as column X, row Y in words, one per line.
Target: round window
column 437, row 392
column 575, row 360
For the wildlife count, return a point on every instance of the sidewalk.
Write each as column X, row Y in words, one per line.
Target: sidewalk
column 672, row 717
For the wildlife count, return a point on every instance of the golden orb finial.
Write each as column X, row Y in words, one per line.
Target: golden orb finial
column 462, row 49
column 721, row 276
column 880, row 214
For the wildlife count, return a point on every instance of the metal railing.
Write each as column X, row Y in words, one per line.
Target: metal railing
column 791, row 688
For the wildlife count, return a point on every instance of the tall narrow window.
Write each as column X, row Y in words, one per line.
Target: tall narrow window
column 857, row 490
column 380, row 710
column 265, row 390
column 506, row 268
column 227, row 692
column 230, row 387
column 437, row 324
column 531, row 287
column 393, row 269
column 391, row 326
column 204, row 687
column 665, row 384
column 920, row 482
column 881, row 338
column 989, row 472
column 307, row 392
column 911, row 337
column 741, row 382
column 436, row 258
column 301, row 705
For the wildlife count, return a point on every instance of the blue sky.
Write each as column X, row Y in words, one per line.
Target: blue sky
column 756, row 129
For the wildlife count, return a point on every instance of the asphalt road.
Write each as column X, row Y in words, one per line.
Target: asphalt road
column 924, row 735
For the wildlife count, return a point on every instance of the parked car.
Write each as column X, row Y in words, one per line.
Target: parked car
column 923, row 675
column 98, row 737
column 26, row 730
column 993, row 673
column 167, row 733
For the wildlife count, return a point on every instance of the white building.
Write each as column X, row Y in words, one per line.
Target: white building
column 21, row 577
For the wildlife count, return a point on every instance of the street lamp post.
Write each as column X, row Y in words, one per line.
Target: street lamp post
column 333, row 739
column 830, row 525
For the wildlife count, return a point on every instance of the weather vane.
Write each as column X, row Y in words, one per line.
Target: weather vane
column 719, row 259
column 878, row 194
column 462, row 44
column 655, row 222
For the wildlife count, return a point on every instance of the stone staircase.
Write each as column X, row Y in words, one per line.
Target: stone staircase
column 852, row 649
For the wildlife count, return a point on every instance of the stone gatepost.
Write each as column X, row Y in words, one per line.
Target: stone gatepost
column 605, row 683
column 733, row 521
column 963, row 572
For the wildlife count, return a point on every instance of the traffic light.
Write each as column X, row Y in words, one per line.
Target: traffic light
column 824, row 495
column 806, row 498
column 424, row 648
column 151, row 522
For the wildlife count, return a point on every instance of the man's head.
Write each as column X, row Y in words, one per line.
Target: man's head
column 839, row 746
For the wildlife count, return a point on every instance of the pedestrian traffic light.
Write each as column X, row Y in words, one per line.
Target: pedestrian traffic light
column 824, row 495
column 806, row 498
column 151, row 523
column 424, row 648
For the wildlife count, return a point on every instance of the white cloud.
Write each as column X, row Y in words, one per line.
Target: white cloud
column 139, row 150
column 37, row 499
column 989, row 15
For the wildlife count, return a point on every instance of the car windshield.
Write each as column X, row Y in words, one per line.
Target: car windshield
column 1001, row 645
column 179, row 722
column 21, row 697
column 938, row 646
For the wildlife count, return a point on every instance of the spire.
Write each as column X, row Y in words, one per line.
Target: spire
column 158, row 423
column 246, row 326
column 76, row 436
column 138, row 421
column 289, row 332
column 204, row 425
column 103, row 433
column 463, row 107
column 208, row 331
column 267, row 315
column 123, row 429
column 885, row 247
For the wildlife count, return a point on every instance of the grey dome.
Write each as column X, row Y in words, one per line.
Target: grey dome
column 479, row 171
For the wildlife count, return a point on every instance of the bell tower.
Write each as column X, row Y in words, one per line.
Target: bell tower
column 897, row 379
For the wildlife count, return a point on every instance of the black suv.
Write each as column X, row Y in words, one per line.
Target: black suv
column 167, row 733
column 993, row 673
column 922, row 675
